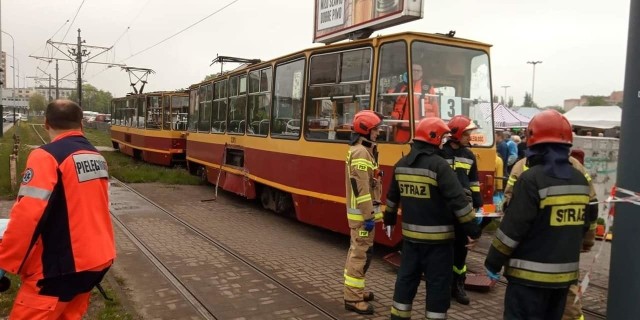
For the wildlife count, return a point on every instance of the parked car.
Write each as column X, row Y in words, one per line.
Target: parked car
column 10, row 118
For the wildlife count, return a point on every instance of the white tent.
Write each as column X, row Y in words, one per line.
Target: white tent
column 604, row 117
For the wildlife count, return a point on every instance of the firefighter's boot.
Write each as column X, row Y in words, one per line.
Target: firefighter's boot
column 368, row 296
column 457, row 289
column 359, row 307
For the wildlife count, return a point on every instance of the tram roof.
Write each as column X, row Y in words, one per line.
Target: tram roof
column 437, row 37
column 183, row 92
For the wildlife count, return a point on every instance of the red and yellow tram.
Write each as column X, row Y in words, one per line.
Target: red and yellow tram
column 278, row 130
column 151, row 126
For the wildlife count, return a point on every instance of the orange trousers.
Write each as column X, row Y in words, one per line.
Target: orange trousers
column 29, row 305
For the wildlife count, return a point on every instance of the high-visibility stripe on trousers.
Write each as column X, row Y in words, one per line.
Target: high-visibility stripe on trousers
column 358, row 260
column 435, row 262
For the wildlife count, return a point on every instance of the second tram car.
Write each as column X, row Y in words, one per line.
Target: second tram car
column 279, row 130
column 151, row 126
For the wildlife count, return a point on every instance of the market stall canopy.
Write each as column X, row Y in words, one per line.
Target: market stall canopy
column 504, row 117
column 603, row 117
column 528, row 112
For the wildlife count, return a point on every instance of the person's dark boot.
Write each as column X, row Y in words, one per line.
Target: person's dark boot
column 359, row 307
column 457, row 289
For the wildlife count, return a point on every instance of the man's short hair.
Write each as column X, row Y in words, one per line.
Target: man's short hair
column 64, row 115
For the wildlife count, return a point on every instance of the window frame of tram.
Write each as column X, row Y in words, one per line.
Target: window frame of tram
column 449, row 71
column 259, row 101
column 391, row 73
column 166, row 112
column 205, row 97
column 288, row 98
column 179, row 112
column 192, row 124
column 141, row 109
column 219, row 109
column 153, row 113
column 339, row 81
column 237, row 102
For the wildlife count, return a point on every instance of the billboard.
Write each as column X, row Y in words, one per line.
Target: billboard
column 335, row 20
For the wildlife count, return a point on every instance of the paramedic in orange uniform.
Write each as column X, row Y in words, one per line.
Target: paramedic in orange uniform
column 59, row 239
column 429, row 106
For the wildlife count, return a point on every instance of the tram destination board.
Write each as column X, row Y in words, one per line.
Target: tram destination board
column 336, row 20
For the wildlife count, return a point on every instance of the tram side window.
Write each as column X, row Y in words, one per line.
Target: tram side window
column 179, row 112
column 259, row 102
column 392, row 93
column 205, row 95
column 141, row 111
column 340, row 85
column 237, row 104
column 193, row 110
column 129, row 113
column 219, row 112
column 154, row 116
column 166, row 112
column 115, row 112
column 287, row 99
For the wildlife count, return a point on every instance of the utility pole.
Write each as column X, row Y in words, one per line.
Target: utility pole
column 57, row 81
column 624, row 279
column 79, row 55
column 75, row 53
column 505, row 93
column 533, row 81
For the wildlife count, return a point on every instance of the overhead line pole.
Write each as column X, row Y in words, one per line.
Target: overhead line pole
column 624, row 279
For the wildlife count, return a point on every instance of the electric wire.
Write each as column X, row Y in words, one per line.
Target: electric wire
column 168, row 38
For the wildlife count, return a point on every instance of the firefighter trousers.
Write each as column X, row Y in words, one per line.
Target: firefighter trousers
column 533, row 303
column 358, row 261
column 30, row 305
column 432, row 260
column 460, row 251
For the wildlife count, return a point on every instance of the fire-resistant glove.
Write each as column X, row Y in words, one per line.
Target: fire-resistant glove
column 390, row 217
column 369, row 224
column 494, row 276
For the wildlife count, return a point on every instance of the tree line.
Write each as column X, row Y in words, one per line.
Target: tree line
column 93, row 99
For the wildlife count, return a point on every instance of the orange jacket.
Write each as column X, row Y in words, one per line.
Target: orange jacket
column 60, row 223
column 401, row 107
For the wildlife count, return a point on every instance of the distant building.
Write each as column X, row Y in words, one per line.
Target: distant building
column 63, row 93
column 613, row 99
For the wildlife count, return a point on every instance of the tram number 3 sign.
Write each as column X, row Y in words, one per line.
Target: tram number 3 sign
column 450, row 106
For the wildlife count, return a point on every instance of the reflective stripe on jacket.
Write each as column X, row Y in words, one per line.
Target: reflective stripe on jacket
column 463, row 162
column 363, row 188
column 431, row 198
column 60, row 223
column 540, row 237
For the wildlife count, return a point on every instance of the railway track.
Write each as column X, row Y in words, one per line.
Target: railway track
column 207, row 311
column 593, row 313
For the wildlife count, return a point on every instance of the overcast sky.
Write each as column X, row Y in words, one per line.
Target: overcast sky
column 582, row 43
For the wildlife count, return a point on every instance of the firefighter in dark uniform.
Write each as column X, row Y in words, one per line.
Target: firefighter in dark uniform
column 432, row 200
column 364, row 190
column 540, row 237
column 463, row 162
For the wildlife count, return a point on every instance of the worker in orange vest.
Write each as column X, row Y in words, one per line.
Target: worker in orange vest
column 60, row 238
column 421, row 92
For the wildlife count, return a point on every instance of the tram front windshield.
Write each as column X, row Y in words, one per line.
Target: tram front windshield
column 446, row 81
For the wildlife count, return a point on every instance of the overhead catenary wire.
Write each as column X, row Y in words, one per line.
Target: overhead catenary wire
column 181, row 31
column 168, row 38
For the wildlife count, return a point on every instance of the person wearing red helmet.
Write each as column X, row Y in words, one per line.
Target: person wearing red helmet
column 541, row 234
column 432, row 200
column 463, row 163
column 364, row 190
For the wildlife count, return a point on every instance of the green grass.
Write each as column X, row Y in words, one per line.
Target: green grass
column 129, row 170
column 98, row 137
